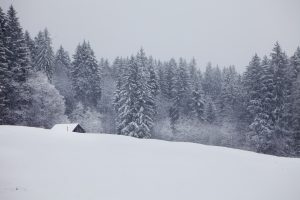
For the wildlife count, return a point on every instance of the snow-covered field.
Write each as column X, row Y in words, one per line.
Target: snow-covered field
column 39, row 164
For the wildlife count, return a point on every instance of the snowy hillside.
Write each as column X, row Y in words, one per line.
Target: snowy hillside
column 40, row 164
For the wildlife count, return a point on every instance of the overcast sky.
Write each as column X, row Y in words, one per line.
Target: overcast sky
column 224, row 32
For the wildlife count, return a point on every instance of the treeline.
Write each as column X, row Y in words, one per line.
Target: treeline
column 147, row 98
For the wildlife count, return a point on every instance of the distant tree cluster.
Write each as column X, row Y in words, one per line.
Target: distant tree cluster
column 139, row 96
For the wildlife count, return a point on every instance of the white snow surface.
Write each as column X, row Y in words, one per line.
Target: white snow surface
column 38, row 164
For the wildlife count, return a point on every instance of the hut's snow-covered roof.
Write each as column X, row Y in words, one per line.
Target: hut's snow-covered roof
column 64, row 127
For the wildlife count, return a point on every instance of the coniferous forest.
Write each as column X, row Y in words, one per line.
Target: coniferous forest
column 143, row 97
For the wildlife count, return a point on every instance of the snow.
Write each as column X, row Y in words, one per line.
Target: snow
column 37, row 164
column 64, row 127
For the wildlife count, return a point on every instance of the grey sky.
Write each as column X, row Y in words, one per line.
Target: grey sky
column 221, row 31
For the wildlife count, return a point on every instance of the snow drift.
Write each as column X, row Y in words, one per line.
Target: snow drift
column 42, row 164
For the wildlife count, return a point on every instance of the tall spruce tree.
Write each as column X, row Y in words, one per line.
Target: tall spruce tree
column 216, row 83
column 229, row 94
column 197, row 104
column 174, row 114
column 19, row 66
column 294, row 121
column 117, row 102
column 295, row 64
column 134, row 101
column 146, row 95
column 296, row 115
column 207, row 79
column 152, row 80
column 291, row 73
column 253, row 85
column 180, row 93
column 281, row 137
column 62, row 78
column 194, row 74
column 183, row 88
column 85, row 77
column 4, row 71
column 30, row 44
column 264, row 121
column 161, row 80
column 107, row 95
column 254, row 79
column 210, row 116
column 279, row 63
column 170, row 74
column 212, row 82
column 125, row 100
column 43, row 56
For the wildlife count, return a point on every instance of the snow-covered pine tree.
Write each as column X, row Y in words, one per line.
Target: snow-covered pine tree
column 194, row 74
column 30, row 44
column 197, row 104
column 117, row 105
column 115, row 68
column 286, row 123
column 200, row 77
column 242, row 115
column 295, row 64
column 183, row 88
column 264, row 122
column 229, row 94
column 85, row 77
column 279, row 63
column 4, row 80
column 253, row 85
column 254, row 78
column 18, row 55
column 281, row 137
column 3, row 29
column 208, row 80
column 210, row 112
column 174, row 114
column 161, row 80
column 134, row 102
column 43, row 56
column 118, row 74
column 107, row 96
column 119, row 67
column 153, row 86
column 126, row 100
column 152, row 82
column 294, row 121
column 180, row 92
column 104, row 68
column 296, row 115
column 212, row 82
column 146, row 108
column 3, row 21
column 293, row 71
column 170, row 78
column 62, row 78
column 19, row 66
column 4, row 72
column 62, row 63
column 216, row 83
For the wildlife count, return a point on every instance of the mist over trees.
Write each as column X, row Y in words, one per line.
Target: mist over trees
column 143, row 97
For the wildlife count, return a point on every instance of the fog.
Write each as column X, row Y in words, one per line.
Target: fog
column 224, row 32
